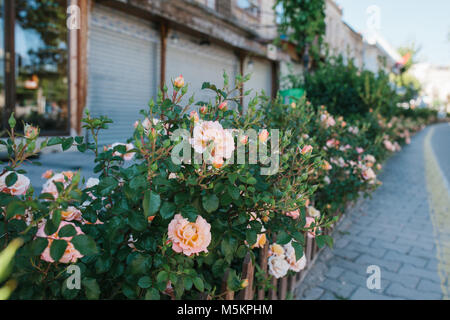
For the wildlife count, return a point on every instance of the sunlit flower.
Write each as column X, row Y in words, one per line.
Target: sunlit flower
column 189, row 237
column 293, row 214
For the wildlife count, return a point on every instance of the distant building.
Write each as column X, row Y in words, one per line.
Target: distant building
column 435, row 81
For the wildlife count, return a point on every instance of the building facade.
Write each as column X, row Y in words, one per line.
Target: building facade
column 111, row 56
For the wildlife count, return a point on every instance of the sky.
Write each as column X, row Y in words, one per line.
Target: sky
column 424, row 22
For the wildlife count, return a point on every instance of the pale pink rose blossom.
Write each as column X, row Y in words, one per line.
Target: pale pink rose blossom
column 128, row 155
column 313, row 212
column 307, row 149
column 294, row 264
column 263, row 135
column 19, row 187
column 50, row 187
column 278, row 266
column 71, row 255
column 189, row 237
column 359, row 150
column 311, row 233
column 389, row 146
column 47, row 174
column 293, row 214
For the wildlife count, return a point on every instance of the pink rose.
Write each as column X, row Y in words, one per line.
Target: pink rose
column 223, row 106
column 71, row 213
column 19, row 187
column 263, row 135
column 189, row 237
column 312, row 233
column 50, row 187
column 128, row 155
column 47, row 174
column 71, row 254
column 179, row 81
column 306, row 149
column 359, row 150
column 293, row 214
column 194, row 116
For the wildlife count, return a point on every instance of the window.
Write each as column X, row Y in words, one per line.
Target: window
column 250, row 6
column 209, row 3
column 36, row 76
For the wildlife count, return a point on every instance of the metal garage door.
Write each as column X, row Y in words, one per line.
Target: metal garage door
column 198, row 63
column 261, row 76
column 122, row 67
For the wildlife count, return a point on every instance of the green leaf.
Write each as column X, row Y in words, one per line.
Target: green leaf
column 188, row 283
column 210, row 203
column 107, row 185
column 151, row 203
column 38, row 245
column 162, row 277
column 283, row 238
column 15, row 208
column 167, row 210
column 152, row 294
column 137, row 221
column 11, row 179
column 298, row 250
column 91, row 289
column 189, row 212
column 67, row 231
column 251, row 236
column 251, row 180
column 54, row 141
column 12, row 121
column 67, row 143
column 234, row 192
column 198, row 283
column 145, row 282
column 57, row 249
column 85, row 244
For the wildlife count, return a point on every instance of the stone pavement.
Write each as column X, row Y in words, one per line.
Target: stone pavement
column 404, row 229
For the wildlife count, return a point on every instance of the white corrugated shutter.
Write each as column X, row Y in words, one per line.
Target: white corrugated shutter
column 261, row 76
column 198, row 63
column 123, row 69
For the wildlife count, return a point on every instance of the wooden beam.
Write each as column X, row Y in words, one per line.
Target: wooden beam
column 163, row 39
column 275, row 78
column 82, row 77
column 241, row 71
column 10, row 63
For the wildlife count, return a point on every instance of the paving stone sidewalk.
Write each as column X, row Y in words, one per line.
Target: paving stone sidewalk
column 392, row 230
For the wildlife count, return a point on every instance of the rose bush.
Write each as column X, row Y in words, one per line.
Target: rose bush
column 200, row 185
column 150, row 227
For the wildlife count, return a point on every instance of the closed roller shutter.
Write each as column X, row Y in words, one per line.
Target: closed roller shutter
column 198, row 63
column 261, row 77
column 123, row 66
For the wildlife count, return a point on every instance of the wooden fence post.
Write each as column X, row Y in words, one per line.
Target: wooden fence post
column 248, row 272
column 263, row 265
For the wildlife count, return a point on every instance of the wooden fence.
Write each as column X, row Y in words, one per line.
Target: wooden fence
column 280, row 289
